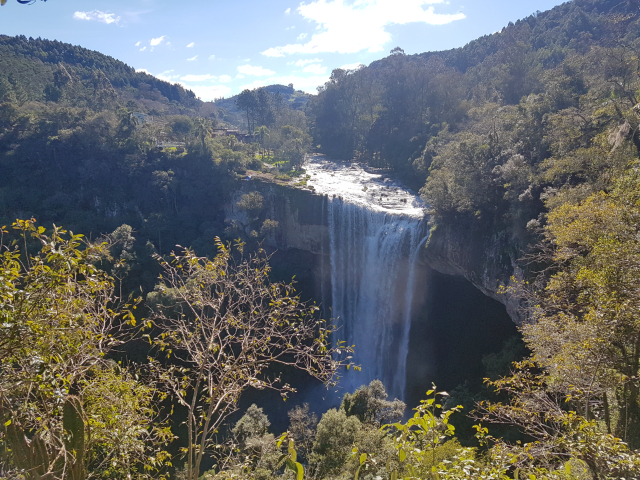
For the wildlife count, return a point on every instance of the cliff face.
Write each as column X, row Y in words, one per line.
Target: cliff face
column 302, row 224
column 487, row 262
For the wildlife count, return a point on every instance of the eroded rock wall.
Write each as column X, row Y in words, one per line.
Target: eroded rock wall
column 487, row 261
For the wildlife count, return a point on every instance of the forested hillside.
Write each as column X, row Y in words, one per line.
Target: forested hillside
column 39, row 70
column 542, row 111
column 79, row 136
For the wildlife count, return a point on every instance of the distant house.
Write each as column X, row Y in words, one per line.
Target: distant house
column 226, row 132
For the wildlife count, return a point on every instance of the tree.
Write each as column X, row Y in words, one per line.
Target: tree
column 253, row 423
column 203, row 129
column 66, row 412
column 335, row 436
column 181, row 127
column 262, row 132
column 252, row 203
column 230, row 328
column 586, row 333
column 302, row 428
column 369, row 403
column 294, row 145
column 248, row 103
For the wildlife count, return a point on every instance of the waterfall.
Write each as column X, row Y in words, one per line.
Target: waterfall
column 373, row 256
column 376, row 228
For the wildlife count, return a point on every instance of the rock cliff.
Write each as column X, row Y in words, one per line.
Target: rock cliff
column 488, row 262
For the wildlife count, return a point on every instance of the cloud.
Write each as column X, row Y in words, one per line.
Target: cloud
column 166, row 76
column 143, row 49
column 287, row 11
column 191, row 45
column 224, row 78
column 362, row 25
column 212, row 57
column 302, row 36
column 157, row 41
column 351, row 66
column 315, row 69
column 192, row 58
column 209, row 92
column 306, row 84
column 197, row 78
column 138, row 44
column 143, row 70
column 255, row 71
column 302, row 63
column 97, row 16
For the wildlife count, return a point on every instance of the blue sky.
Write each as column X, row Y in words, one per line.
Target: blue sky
column 217, row 48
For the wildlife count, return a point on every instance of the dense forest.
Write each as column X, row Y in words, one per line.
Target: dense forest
column 124, row 356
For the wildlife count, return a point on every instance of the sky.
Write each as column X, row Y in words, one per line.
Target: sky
column 217, row 48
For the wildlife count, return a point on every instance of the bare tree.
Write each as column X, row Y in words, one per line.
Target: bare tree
column 227, row 325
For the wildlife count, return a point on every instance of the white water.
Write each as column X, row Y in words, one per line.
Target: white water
column 376, row 227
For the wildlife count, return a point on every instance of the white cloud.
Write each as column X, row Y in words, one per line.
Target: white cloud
column 302, row 63
column 315, row 69
column 255, row 71
column 287, row 11
column 143, row 49
column 138, row 44
column 198, row 78
column 143, row 70
column 351, row 66
column 209, row 92
column 157, row 41
column 362, row 25
column 166, row 76
column 302, row 36
column 306, row 84
column 192, row 58
column 239, row 76
column 97, row 16
column 212, row 57
column 191, row 45
column 224, row 78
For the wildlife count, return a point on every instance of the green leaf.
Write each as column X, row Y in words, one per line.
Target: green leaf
column 7, row 423
column 402, row 455
column 363, row 458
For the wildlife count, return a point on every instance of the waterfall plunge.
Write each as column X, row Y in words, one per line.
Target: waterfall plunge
column 375, row 230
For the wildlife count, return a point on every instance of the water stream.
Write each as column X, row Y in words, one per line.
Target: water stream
column 376, row 227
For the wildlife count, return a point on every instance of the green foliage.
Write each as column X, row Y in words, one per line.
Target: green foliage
column 335, row 435
column 59, row 319
column 252, row 203
column 254, row 423
column 302, row 429
column 245, row 325
column 370, row 405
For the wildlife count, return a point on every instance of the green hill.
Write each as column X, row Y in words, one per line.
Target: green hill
column 40, row 70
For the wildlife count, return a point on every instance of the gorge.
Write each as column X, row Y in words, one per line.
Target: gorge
column 358, row 241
